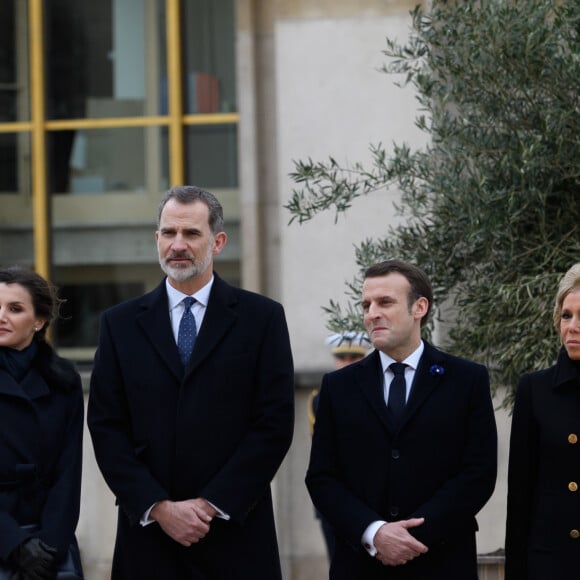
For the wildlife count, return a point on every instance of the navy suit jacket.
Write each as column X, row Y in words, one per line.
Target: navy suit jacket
column 440, row 463
column 217, row 429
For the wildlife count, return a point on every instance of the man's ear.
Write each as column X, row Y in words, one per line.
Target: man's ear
column 219, row 242
column 420, row 308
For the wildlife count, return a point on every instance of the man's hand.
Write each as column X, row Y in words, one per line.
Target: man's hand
column 395, row 545
column 187, row 522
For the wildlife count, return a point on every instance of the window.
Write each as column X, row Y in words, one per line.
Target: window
column 138, row 94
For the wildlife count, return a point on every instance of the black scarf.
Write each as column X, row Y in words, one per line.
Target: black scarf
column 17, row 362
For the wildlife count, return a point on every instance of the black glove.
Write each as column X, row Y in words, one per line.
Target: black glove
column 35, row 560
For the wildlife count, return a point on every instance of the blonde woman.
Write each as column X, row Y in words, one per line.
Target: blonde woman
column 543, row 512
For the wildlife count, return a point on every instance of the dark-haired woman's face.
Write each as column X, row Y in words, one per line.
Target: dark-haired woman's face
column 18, row 321
column 570, row 324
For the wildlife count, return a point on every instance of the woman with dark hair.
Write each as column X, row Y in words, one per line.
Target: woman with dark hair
column 41, row 426
column 543, row 507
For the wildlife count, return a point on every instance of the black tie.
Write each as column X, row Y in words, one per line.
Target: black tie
column 397, row 390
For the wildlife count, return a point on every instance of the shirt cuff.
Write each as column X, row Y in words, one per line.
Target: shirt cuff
column 368, row 537
column 146, row 517
column 220, row 514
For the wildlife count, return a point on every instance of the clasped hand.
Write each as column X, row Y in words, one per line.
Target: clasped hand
column 187, row 522
column 395, row 545
column 34, row 560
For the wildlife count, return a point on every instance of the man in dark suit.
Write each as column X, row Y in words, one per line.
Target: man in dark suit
column 189, row 442
column 403, row 457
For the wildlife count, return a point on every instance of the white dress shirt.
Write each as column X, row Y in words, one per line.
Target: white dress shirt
column 176, row 307
column 412, row 361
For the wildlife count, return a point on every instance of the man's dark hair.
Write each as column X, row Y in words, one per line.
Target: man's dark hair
column 190, row 193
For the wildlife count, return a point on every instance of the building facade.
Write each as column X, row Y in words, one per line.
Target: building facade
column 104, row 105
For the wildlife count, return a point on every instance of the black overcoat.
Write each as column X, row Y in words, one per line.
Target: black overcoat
column 41, row 429
column 543, row 511
column 217, row 430
column 439, row 464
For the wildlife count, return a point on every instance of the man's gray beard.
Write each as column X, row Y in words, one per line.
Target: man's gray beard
column 179, row 274
column 187, row 273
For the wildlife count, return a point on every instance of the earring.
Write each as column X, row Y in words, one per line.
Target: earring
column 36, row 329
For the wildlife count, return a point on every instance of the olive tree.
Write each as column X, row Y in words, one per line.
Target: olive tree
column 491, row 205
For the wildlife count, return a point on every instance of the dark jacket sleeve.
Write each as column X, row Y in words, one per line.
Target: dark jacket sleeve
column 247, row 474
column 11, row 535
column 108, row 418
column 454, row 505
column 522, row 474
column 326, row 481
column 61, row 510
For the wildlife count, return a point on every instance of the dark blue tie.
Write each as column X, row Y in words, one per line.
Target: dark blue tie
column 397, row 390
column 187, row 331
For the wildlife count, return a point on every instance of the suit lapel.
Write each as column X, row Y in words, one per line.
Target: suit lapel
column 424, row 382
column 218, row 319
column 371, row 383
column 156, row 325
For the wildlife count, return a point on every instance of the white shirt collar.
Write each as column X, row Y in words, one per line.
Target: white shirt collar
column 412, row 360
column 175, row 297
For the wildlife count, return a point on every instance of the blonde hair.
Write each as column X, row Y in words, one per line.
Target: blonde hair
column 570, row 282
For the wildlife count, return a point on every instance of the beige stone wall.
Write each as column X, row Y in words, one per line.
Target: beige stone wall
column 97, row 522
column 339, row 8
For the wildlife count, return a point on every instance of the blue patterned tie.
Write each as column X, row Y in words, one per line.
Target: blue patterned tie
column 187, row 331
column 397, row 390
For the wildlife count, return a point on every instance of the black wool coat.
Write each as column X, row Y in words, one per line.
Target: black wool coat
column 440, row 464
column 41, row 430
column 543, row 510
column 217, row 429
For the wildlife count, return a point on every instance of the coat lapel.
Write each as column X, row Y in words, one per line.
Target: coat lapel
column 566, row 372
column 32, row 386
column 371, row 383
column 219, row 318
column 425, row 381
column 156, row 325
